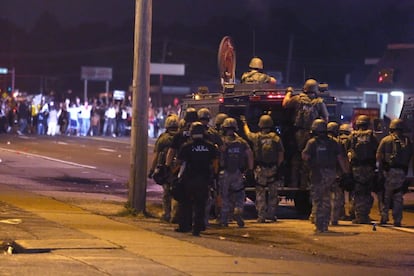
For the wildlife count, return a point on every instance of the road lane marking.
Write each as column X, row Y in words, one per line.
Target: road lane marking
column 50, row 158
column 106, row 149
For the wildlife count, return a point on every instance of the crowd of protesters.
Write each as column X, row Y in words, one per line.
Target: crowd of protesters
column 75, row 118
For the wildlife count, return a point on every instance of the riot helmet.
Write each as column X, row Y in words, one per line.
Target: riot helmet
column 333, row 128
column 319, row 127
column 265, row 121
column 204, row 114
column 396, row 124
column 230, row 123
column 203, row 90
column 362, row 121
column 172, row 121
column 256, row 63
column 190, row 115
column 181, row 123
column 311, row 86
column 220, row 117
column 345, row 129
column 197, row 130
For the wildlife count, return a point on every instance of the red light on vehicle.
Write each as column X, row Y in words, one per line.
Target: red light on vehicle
column 221, row 100
column 275, row 96
column 254, row 98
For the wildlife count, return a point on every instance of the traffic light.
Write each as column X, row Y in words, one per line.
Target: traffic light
column 386, row 75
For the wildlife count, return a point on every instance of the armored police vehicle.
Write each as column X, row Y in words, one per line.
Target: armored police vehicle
column 407, row 114
column 253, row 100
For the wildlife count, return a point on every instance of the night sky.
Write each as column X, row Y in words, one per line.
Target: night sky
column 331, row 37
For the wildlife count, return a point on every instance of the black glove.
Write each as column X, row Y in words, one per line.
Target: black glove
column 161, row 174
column 249, row 174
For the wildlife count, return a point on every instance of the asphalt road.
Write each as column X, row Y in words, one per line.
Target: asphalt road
column 83, row 169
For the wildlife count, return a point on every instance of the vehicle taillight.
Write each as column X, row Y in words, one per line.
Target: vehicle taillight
column 221, row 100
column 254, row 98
column 275, row 96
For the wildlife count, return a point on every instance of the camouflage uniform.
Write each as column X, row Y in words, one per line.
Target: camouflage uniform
column 266, row 176
column 212, row 135
column 343, row 139
column 337, row 193
column 300, row 170
column 231, row 185
column 394, row 169
column 363, row 172
column 322, row 176
column 161, row 145
column 255, row 76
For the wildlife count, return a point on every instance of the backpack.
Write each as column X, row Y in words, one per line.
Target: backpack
column 363, row 147
column 166, row 139
column 307, row 112
column 160, row 175
column 401, row 152
column 266, row 149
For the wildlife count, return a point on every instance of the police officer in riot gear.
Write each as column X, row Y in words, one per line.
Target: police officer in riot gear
column 322, row 153
column 204, row 116
column 255, row 74
column 199, row 160
column 362, row 149
column 337, row 195
column 307, row 107
column 160, row 151
column 268, row 156
column 393, row 157
column 233, row 163
column 181, row 137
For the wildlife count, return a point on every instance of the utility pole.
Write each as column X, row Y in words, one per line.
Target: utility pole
column 289, row 60
column 140, row 96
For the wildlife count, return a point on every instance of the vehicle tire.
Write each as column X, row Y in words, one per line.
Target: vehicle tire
column 303, row 203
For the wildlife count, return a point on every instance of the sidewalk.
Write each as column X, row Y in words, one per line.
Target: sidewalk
column 62, row 239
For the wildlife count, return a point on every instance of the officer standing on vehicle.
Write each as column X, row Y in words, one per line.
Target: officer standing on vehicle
column 268, row 156
column 160, row 153
column 233, row 162
column 307, row 107
column 255, row 74
column 363, row 147
column 323, row 153
column 393, row 157
column 199, row 158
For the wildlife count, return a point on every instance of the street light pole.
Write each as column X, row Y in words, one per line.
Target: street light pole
column 140, row 96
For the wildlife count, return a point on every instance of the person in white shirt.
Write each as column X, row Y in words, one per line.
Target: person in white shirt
column 52, row 120
column 85, row 116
